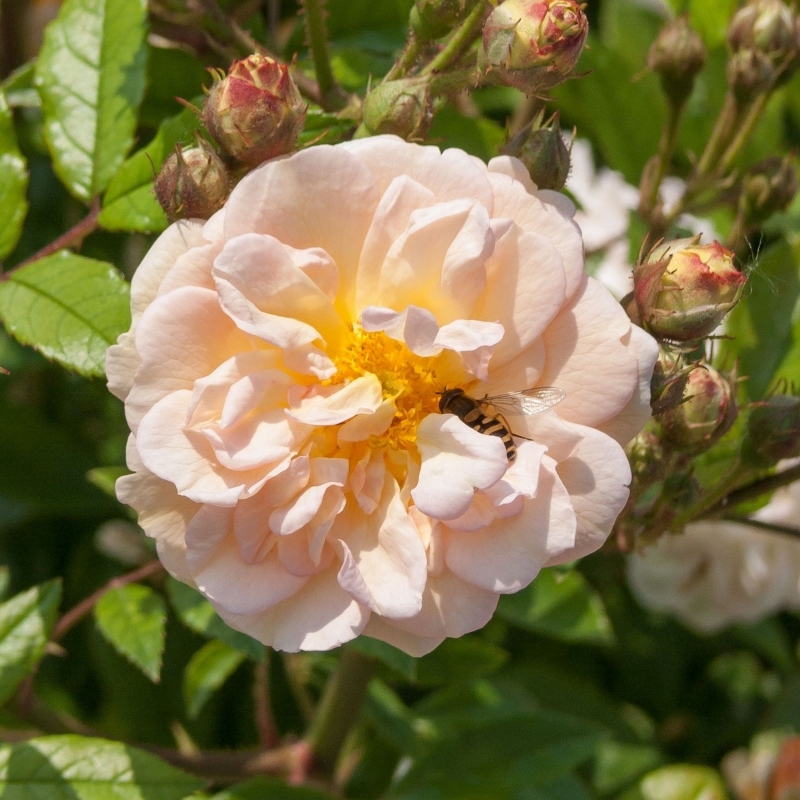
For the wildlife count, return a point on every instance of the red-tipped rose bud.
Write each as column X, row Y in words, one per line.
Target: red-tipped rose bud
column 432, row 19
column 750, row 73
column 767, row 26
column 773, row 431
column 684, row 289
column 707, row 413
column 533, row 45
column 256, row 111
column 193, row 182
column 543, row 152
column 677, row 55
column 767, row 188
column 403, row 107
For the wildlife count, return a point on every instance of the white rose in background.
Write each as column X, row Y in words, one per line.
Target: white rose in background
column 606, row 202
column 716, row 574
column 282, row 375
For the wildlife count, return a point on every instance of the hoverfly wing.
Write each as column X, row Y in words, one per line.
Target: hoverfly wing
column 528, row 401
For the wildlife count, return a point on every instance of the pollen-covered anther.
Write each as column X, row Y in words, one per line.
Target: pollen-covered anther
column 407, row 379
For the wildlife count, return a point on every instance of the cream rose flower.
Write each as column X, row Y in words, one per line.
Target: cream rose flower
column 281, row 380
column 716, row 574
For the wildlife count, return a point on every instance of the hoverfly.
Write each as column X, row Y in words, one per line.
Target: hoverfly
column 482, row 415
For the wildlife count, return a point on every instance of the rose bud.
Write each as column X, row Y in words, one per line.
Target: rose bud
column 768, row 187
column 255, row 113
column 708, row 411
column 403, row 107
column 194, row 182
column 684, row 289
column 767, row 26
column 542, row 150
column 668, row 384
column 432, row 19
column 773, row 431
column 531, row 45
column 677, row 55
column 750, row 73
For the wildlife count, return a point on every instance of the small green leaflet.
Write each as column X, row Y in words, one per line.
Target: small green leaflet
column 13, row 182
column 68, row 307
column 207, row 670
column 133, row 618
column 26, row 621
column 129, row 203
column 80, row 768
column 270, row 789
column 559, row 604
column 91, row 75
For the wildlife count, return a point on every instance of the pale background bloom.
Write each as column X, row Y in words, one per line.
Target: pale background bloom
column 281, row 380
column 716, row 574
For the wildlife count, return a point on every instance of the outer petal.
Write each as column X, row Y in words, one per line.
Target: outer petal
column 506, row 556
column 597, row 476
column 589, row 358
column 320, row 616
column 456, row 461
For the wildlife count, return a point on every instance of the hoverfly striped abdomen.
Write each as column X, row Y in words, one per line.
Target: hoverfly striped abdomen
column 483, row 417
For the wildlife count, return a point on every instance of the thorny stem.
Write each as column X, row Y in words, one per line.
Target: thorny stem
column 463, row 37
column 72, row 238
column 339, row 708
column 751, row 491
column 331, row 95
column 265, row 721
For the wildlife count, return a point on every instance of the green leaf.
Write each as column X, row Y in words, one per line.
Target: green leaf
column 566, row 787
column 270, row 789
column 105, row 478
column 26, row 621
column 710, row 20
column 479, row 137
column 508, row 755
column 199, row 615
column 13, row 182
column 762, row 323
column 91, row 77
column 68, row 307
column 679, row 782
column 19, row 89
column 5, row 577
column 459, row 659
column 129, row 203
column 395, row 659
column 618, row 764
column 206, row 671
column 559, row 604
column 392, row 719
column 133, row 618
column 78, row 768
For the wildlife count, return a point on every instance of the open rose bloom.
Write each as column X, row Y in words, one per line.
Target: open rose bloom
column 282, row 375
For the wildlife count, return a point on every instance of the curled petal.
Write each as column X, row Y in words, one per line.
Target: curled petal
column 335, row 404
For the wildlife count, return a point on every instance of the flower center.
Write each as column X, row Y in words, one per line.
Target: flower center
column 408, row 379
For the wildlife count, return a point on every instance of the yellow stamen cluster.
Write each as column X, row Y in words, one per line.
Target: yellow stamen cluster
column 408, row 379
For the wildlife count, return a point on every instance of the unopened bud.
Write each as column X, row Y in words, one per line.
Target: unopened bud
column 677, row 55
column 403, row 107
column 255, row 112
column 668, row 384
column 432, row 19
column 750, row 73
column 707, row 413
column 543, row 152
column 767, row 26
column 683, row 289
column 533, row 45
column 773, row 431
column 193, row 182
column 767, row 188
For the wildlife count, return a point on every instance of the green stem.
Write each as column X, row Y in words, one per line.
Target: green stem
column 751, row 491
column 331, row 94
column 722, row 490
column 666, row 148
column 454, row 80
column 724, row 130
column 406, row 60
column 339, row 707
column 743, row 133
column 463, row 37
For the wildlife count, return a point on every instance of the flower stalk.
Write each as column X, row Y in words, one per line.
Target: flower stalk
column 463, row 37
column 332, row 97
column 339, row 708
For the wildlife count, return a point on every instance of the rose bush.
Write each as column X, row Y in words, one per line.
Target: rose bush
column 281, row 381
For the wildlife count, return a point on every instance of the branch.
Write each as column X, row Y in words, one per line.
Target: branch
column 786, row 530
column 78, row 612
column 751, row 491
column 72, row 238
column 332, row 97
column 265, row 720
